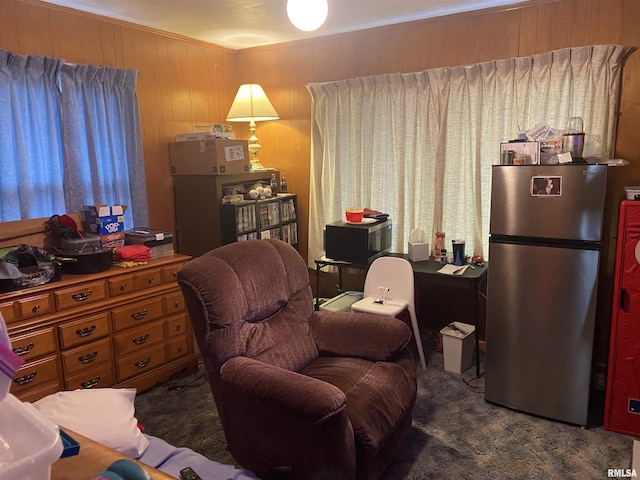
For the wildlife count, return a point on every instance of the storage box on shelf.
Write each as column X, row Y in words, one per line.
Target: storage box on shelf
column 117, row 328
column 217, row 156
column 255, row 219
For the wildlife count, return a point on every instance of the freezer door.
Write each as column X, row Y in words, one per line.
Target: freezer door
column 548, row 201
column 540, row 326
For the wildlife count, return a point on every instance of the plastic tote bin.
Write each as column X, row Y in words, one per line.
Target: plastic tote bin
column 341, row 303
column 457, row 345
column 29, row 441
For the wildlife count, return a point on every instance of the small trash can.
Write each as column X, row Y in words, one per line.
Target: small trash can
column 341, row 303
column 457, row 346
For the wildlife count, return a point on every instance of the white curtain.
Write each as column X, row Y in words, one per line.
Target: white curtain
column 420, row 146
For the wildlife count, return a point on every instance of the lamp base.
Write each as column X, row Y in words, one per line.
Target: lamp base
column 256, row 165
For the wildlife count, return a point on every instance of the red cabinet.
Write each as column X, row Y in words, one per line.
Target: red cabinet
column 622, row 403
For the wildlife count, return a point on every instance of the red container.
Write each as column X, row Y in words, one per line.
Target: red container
column 354, row 214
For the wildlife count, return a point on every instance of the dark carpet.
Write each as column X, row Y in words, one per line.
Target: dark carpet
column 455, row 434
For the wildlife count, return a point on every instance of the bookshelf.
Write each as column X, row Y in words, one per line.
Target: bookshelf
column 257, row 219
column 197, row 198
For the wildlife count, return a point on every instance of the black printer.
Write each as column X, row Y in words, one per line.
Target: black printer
column 358, row 243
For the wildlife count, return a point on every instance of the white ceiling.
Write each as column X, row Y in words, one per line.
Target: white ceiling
column 240, row 24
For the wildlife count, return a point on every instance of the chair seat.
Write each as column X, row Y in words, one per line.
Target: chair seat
column 375, row 391
column 393, row 307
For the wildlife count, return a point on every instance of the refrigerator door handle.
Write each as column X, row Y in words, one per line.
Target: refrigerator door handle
column 624, row 300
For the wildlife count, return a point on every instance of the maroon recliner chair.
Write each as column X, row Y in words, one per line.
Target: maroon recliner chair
column 301, row 394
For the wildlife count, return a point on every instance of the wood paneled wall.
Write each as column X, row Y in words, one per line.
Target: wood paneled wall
column 181, row 83
column 184, row 82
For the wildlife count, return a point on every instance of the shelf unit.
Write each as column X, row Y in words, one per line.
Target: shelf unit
column 256, row 219
column 197, row 198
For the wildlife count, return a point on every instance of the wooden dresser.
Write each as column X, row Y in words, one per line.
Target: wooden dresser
column 124, row 327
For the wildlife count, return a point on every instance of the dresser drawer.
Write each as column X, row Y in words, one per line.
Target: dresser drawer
column 138, row 338
column 176, row 347
column 30, row 307
column 176, row 325
column 120, row 285
column 85, row 356
column 99, row 376
column 138, row 362
column 170, row 272
column 84, row 330
column 173, row 303
column 81, row 295
column 34, row 344
column 8, row 312
column 35, row 373
column 147, row 279
column 40, row 391
column 136, row 313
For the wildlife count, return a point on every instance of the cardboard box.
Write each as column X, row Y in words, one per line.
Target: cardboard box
column 216, row 156
column 106, row 221
column 197, row 136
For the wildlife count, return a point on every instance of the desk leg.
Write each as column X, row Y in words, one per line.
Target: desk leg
column 317, row 306
column 477, row 352
column 477, row 332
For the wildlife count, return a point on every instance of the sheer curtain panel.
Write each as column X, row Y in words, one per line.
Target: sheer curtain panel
column 31, row 156
column 420, row 146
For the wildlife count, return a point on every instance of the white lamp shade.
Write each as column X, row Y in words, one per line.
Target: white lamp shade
column 307, row 15
column 251, row 104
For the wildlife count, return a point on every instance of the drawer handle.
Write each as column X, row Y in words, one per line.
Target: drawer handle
column 25, row 379
column 85, row 332
column 140, row 340
column 143, row 363
column 177, row 304
column 81, row 297
column 178, row 328
column 123, row 287
column 35, row 308
column 150, row 280
column 88, row 358
column 23, row 350
column 90, row 383
column 139, row 315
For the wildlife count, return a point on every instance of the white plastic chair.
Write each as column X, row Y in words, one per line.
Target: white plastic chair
column 396, row 274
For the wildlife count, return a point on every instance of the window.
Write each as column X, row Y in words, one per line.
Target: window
column 420, row 146
column 72, row 137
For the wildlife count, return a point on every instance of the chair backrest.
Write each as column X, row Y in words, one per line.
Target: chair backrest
column 250, row 299
column 395, row 273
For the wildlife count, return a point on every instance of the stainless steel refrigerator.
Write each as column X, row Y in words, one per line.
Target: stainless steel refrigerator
column 544, row 253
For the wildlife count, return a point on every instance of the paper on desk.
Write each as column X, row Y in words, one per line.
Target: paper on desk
column 450, row 269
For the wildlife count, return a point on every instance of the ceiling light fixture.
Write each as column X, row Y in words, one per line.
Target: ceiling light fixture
column 307, row 15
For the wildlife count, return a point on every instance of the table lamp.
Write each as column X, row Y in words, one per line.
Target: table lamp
column 252, row 105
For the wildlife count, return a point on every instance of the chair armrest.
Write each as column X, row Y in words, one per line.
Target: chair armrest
column 362, row 335
column 290, row 393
